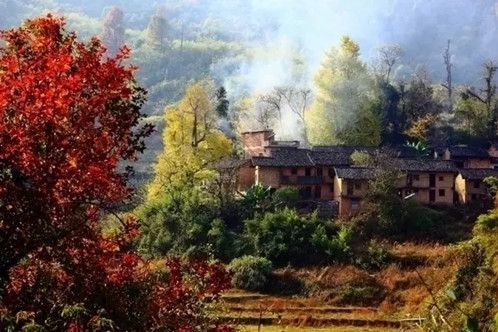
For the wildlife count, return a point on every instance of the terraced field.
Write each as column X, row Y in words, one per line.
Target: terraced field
column 257, row 312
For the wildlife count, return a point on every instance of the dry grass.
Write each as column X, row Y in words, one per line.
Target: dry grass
column 253, row 328
column 404, row 291
column 404, row 294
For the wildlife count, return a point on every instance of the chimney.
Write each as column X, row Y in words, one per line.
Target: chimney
column 255, row 142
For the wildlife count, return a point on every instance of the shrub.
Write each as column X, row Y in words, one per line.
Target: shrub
column 258, row 199
column 286, row 237
column 361, row 291
column 220, row 240
column 285, row 197
column 377, row 256
column 179, row 223
column 286, row 283
column 336, row 248
column 250, row 272
column 418, row 218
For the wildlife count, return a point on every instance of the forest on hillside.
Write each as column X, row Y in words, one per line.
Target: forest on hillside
column 89, row 88
column 272, row 59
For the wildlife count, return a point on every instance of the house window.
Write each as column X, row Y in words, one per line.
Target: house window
column 357, row 185
column 293, row 171
column 477, row 184
column 473, row 196
column 319, row 171
column 442, row 192
column 355, row 204
column 318, row 192
column 441, row 178
column 307, row 171
column 416, row 177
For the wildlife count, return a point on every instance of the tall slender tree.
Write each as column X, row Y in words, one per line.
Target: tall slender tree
column 113, row 30
column 448, row 85
column 157, row 29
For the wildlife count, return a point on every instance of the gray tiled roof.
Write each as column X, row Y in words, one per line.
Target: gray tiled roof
column 356, row 173
column 294, row 157
column 229, row 163
column 478, row 174
column 285, row 158
column 424, row 165
column 327, row 158
column 345, row 148
column 458, row 151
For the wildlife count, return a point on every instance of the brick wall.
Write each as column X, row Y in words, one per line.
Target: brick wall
column 255, row 142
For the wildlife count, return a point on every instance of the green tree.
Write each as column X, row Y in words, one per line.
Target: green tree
column 479, row 110
column 286, row 237
column 345, row 110
column 193, row 143
column 223, row 103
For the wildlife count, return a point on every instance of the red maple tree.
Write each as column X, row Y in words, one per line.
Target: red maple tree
column 68, row 116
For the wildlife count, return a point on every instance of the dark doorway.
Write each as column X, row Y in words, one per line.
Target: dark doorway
column 432, row 180
column 432, row 196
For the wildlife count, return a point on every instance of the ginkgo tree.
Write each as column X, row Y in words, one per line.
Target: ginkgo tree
column 181, row 211
column 68, row 115
column 344, row 110
column 193, row 142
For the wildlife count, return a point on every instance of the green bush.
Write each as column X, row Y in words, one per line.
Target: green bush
column 220, row 240
column 361, row 291
column 286, row 237
column 336, row 248
column 377, row 256
column 285, row 197
column 180, row 223
column 250, row 272
column 418, row 218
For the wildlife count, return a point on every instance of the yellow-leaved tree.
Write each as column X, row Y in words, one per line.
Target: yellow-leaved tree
column 345, row 109
column 193, row 144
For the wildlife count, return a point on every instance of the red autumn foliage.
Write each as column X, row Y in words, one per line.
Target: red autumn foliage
column 68, row 115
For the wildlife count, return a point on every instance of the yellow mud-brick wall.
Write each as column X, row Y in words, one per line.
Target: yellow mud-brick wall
column 446, row 182
column 346, row 207
column 423, row 180
column 477, row 163
column 247, row 177
column 422, row 196
column 301, row 171
column 327, row 191
column 268, row 176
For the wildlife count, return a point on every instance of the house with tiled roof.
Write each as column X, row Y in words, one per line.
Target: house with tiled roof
column 470, row 186
column 326, row 173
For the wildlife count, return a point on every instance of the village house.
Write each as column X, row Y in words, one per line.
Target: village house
column 470, row 187
column 326, row 173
